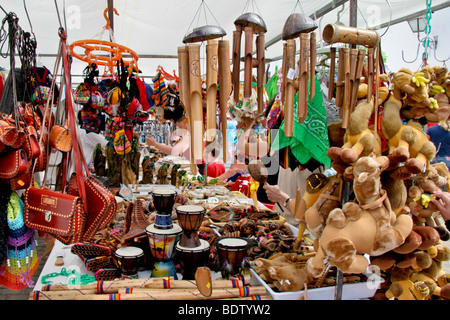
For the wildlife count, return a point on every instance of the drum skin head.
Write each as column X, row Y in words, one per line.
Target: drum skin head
column 203, row 280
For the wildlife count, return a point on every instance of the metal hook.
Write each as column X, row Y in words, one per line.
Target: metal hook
column 432, row 45
column 417, row 55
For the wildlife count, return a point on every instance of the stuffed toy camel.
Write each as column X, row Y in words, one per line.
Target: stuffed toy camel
column 367, row 227
column 359, row 139
column 407, row 143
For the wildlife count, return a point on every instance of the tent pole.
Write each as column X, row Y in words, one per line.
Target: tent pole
column 111, row 15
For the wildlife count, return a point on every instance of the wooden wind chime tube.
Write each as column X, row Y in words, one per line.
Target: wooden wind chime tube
column 340, row 80
column 312, row 66
column 353, row 58
column 370, row 72
column 248, row 61
column 357, row 77
column 284, row 71
column 224, row 90
column 212, row 51
column 332, row 73
column 185, row 90
column 347, row 93
column 237, row 36
column 303, row 77
column 196, row 103
column 260, row 65
column 289, row 84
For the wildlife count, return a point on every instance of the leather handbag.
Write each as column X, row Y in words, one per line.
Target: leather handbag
column 10, row 134
column 22, row 181
column 60, row 138
column 59, row 214
column 13, row 163
column 101, row 204
column 31, row 143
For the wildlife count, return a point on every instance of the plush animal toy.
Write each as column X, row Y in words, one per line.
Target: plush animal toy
column 367, row 227
column 359, row 139
column 328, row 199
column 403, row 288
column 406, row 143
column 283, row 270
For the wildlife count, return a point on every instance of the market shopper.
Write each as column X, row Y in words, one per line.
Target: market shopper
column 182, row 145
column 440, row 136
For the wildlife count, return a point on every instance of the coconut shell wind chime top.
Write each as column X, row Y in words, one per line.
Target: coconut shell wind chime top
column 218, row 75
column 298, row 25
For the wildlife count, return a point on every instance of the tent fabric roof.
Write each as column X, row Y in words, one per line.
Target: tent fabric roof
column 154, row 29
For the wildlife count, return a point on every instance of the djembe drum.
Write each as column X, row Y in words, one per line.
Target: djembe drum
column 162, row 246
column 190, row 218
column 129, row 258
column 163, row 200
column 231, row 252
column 192, row 258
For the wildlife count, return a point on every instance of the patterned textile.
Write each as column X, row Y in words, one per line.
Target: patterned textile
column 17, row 270
column 310, row 139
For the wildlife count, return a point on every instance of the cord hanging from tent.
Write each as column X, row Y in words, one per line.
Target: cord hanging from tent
column 205, row 32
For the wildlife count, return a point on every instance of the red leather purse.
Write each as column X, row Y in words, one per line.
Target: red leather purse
column 101, row 204
column 59, row 214
column 13, row 163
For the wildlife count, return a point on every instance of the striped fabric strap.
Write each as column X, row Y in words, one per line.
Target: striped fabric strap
column 244, row 291
column 166, row 282
column 114, row 296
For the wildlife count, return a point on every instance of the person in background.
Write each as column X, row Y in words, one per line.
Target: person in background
column 182, row 145
column 440, row 136
column 231, row 136
column 443, row 207
column 215, row 166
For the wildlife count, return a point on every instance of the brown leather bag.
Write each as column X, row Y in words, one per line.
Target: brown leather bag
column 60, row 138
column 10, row 134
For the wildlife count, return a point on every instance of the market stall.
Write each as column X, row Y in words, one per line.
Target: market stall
column 333, row 190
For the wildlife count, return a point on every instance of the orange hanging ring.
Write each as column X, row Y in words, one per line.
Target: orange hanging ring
column 102, row 52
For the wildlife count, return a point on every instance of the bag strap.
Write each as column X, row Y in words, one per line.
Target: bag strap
column 47, row 110
column 72, row 119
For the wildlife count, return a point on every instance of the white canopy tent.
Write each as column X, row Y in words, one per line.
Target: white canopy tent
column 154, row 29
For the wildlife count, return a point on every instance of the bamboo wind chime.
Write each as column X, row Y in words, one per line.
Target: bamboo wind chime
column 251, row 24
column 351, row 66
column 218, row 75
column 298, row 25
